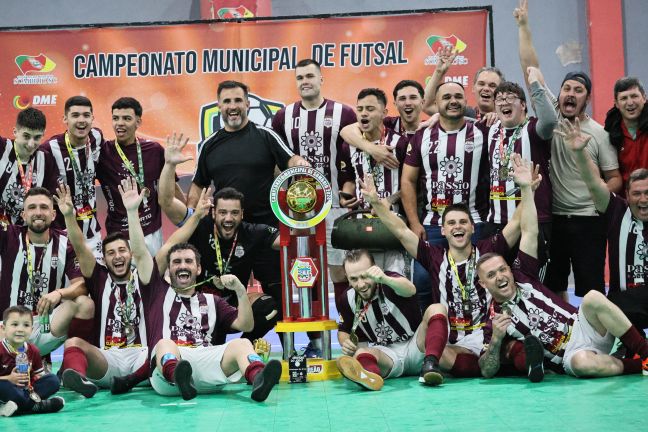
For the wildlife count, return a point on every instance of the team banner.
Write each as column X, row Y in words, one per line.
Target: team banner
column 174, row 70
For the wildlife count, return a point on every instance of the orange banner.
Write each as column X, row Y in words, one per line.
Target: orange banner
column 174, row 70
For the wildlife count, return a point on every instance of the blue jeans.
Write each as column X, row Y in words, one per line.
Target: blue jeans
column 45, row 387
column 421, row 278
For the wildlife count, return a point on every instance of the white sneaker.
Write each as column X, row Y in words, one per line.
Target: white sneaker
column 8, row 409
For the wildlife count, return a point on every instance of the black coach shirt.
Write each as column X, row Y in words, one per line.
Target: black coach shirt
column 251, row 240
column 244, row 160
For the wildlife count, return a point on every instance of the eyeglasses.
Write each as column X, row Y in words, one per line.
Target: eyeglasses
column 507, row 99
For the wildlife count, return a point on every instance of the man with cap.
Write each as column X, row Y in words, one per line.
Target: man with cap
column 578, row 234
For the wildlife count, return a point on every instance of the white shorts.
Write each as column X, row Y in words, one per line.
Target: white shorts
column 406, row 356
column 584, row 337
column 473, row 342
column 208, row 377
column 334, row 256
column 46, row 342
column 121, row 361
column 154, row 242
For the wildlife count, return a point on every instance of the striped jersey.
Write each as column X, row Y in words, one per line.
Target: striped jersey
column 114, row 313
column 627, row 246
column 80, row 177
column 450, row 163
column 447, row 290
column 387, row 319
column 536, row 310
column 40, row 167
column 51, row 264
column 504, row 197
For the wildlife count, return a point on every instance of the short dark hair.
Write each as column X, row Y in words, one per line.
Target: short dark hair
column 379, row 94
column 626, row 83
column 126, row 103
column 489, row 69
column 409, row 83
column 356, row 255
column 19, row 309
column 31, row 118
column 229, row 193
column 231, row 84
column 35, row 191
column 636, row 175
column 77, row 101
column 113, row 237
column 183, row 246
column 485, row 257
column 450, row 82
column 511, row 87
column 460, row 207
column 306, row 62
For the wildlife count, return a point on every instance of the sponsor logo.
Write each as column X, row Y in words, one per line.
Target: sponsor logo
column 35, row 70
column 23, row 102
column 436, row 42
column 233, row 13
column 315, row 369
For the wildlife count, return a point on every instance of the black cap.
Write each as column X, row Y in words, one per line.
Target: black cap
column 581, row 77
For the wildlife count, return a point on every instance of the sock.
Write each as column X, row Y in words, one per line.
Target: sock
column 466, row 366
column 518, row 356
column 636, row 343
column 168, row 368
column 631, row 366
column 82, row 328
column 369, row 362
column 339, row 288
column 75, row 358
column 436, row 337
column 139, row 375
column 252, row 370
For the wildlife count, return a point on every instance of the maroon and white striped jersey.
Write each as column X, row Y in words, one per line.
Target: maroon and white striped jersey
column 447, row 291
column 627, row 246
column 536, row 310
column 529, row 144
column 450, row 163
column 80, row 180
column 388, row 318
column 43, row 173
column 111, row 171
column 191, row 321
column 387, row 180
column 114, row 313
column 8, row 360
column 314, row 134
column 51, row 263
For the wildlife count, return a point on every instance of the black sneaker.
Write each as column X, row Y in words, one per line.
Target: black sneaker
column 120, row 385
column 182, row 378
column 265, row 380
column 48, row 406
column 74, row 381
column 534, row 358
column 430, row 372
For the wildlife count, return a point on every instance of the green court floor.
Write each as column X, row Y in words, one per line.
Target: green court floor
column 559, row 403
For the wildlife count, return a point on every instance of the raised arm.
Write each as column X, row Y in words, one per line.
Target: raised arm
column 523, row 173
column 86, row 258
column 445, row 57
column 408, row 239
column 141, row 255
column 380, row 153
column 244, row 320
column 400, row 284
column 577, row 143
column 185, row 232
column 542, row 105
column 527, row 52
column 174, row 208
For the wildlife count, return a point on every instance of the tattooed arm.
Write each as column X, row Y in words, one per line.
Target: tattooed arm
column 489, row 362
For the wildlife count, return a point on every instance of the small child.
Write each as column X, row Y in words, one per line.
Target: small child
column 24, row 392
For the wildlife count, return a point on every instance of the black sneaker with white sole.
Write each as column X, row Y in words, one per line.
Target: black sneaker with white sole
column 74, row 381
column 534, row 358
column 48, row 406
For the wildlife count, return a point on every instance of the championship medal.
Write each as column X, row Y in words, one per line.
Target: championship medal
column 354, row 338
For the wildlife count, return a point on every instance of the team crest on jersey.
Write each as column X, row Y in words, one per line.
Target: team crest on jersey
column 469, row 146
column 204, row 309
column 311, row 141
column 54, row 262
column 261, row 112
column 328, row 122
column 451, row 166
column 239, row 251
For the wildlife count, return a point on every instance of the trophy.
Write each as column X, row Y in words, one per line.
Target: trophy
column 301, row 198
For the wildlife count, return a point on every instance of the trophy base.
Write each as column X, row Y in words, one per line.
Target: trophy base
column 318, row 370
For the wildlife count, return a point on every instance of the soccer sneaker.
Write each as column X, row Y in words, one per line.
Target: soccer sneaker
column 265, row 380
column 74, row 381
column 534, row 357
column 430, row 372
column 353, row 370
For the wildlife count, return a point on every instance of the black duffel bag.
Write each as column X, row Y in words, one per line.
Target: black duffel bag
column 359, row 230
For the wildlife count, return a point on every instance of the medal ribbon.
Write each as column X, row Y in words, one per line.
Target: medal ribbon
column 125, row 306
column 26, row 180
column 77, row 169
column 359, row 313
column 139, row 176
column 505, row 153
column 470, row 269
column 223, row 267
column 30, row 269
